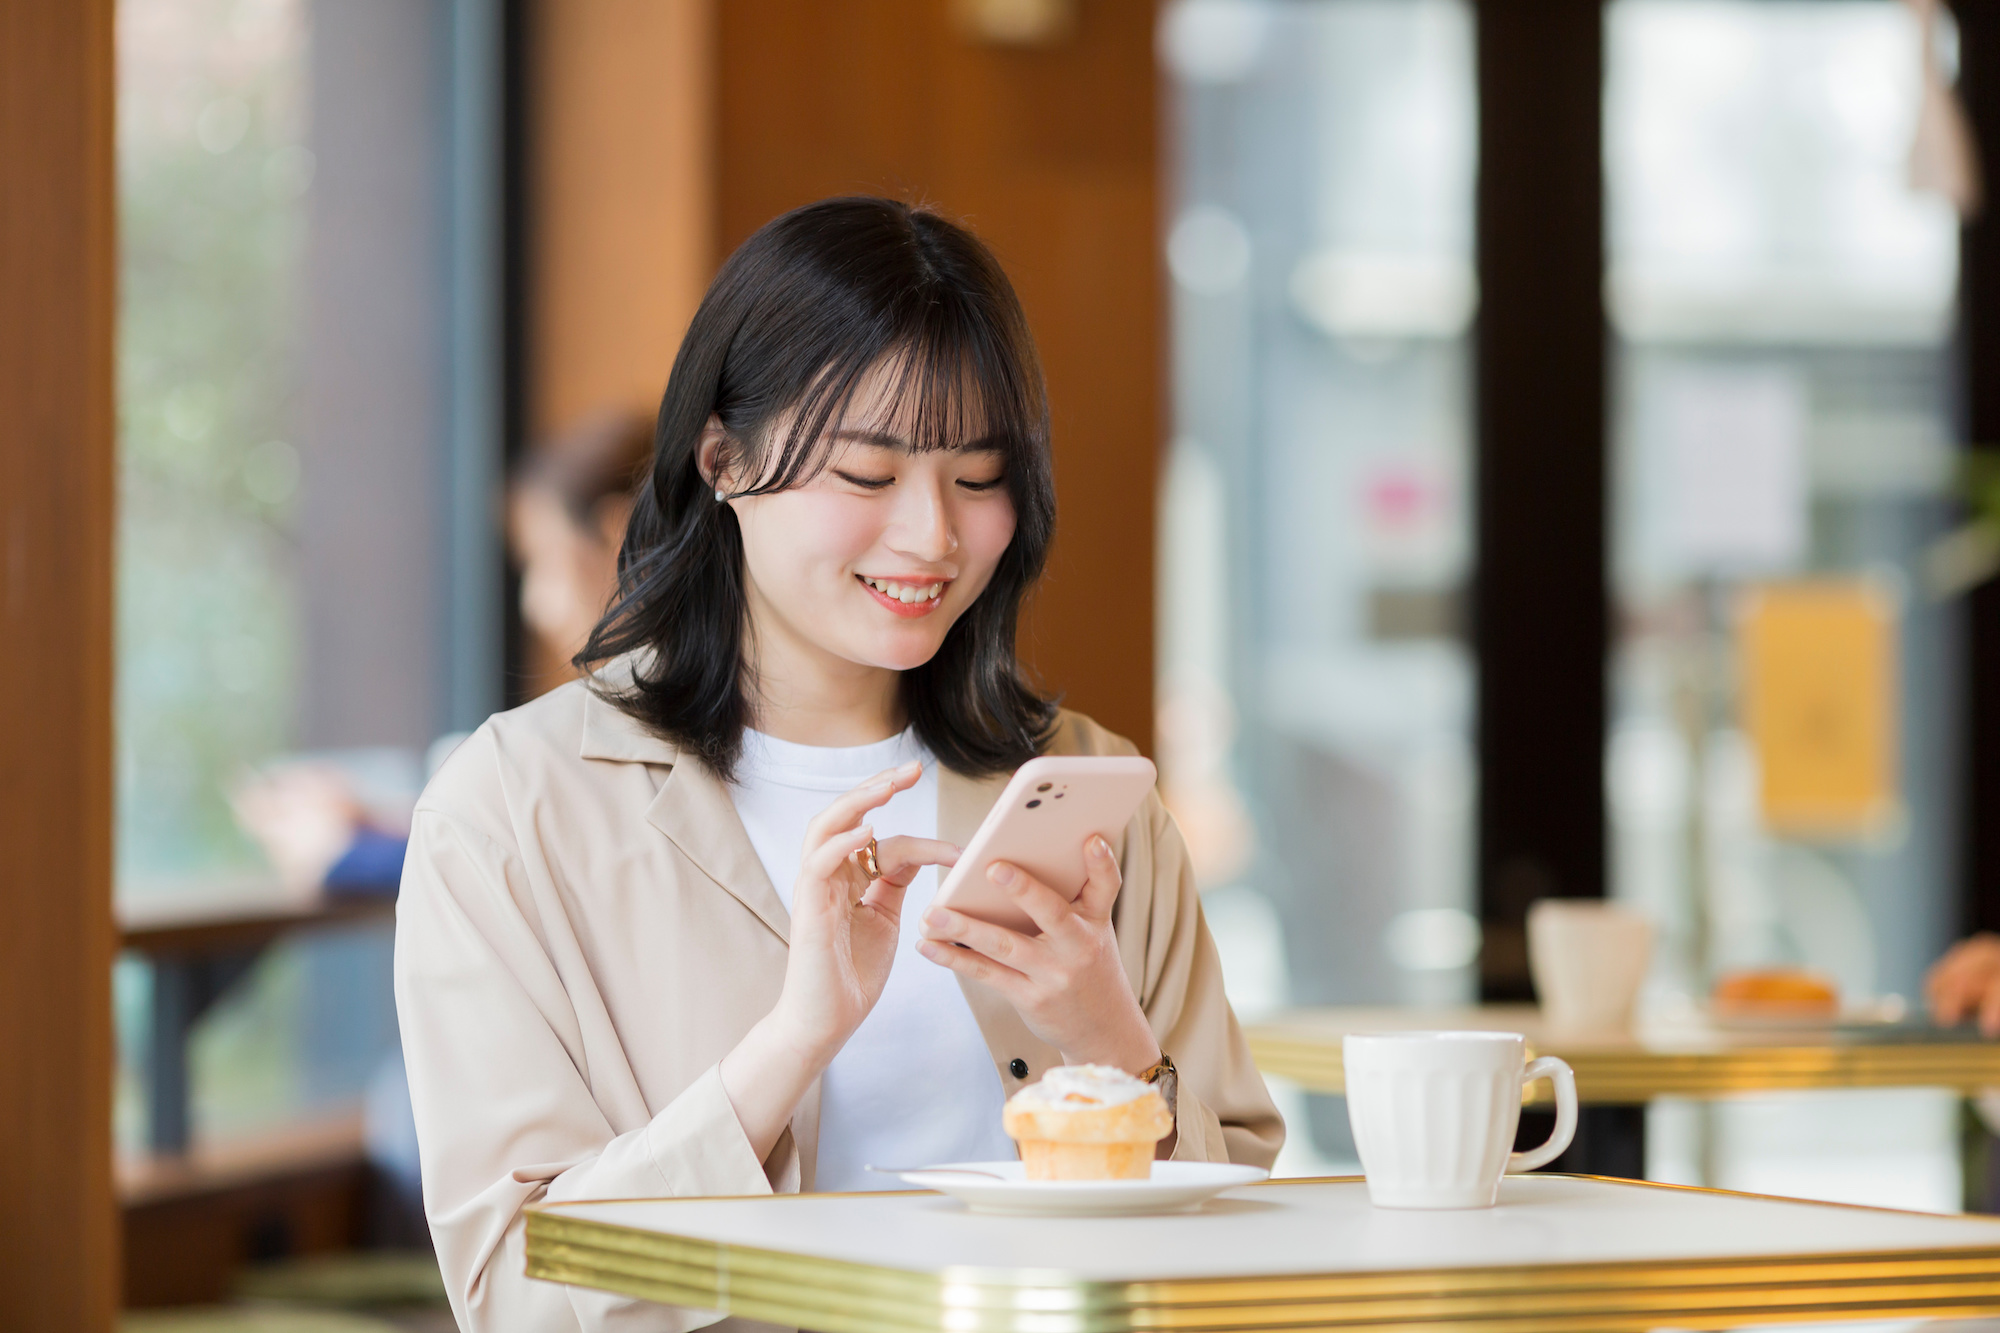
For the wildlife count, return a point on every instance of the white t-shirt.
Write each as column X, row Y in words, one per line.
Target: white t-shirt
column 915, row 1084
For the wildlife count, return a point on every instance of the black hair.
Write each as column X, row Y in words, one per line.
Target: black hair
column 803, row 309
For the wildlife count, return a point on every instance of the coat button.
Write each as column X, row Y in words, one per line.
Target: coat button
column 1018, row 1067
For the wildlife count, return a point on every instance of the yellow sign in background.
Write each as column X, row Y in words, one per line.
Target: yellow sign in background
column 1819, row 685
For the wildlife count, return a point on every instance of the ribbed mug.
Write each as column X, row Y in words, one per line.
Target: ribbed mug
column 1434, row 1114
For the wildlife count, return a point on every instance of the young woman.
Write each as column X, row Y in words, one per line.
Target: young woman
column 637, row 953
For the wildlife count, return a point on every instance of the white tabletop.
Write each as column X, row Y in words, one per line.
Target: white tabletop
column 1613, row 1251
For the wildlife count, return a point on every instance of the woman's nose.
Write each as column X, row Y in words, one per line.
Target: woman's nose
column 923, row 529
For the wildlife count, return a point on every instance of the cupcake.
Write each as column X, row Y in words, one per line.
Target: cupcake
column 1087, row 1122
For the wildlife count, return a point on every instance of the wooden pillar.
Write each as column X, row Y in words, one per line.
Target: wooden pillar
column 1540, row 611
column 1050, row 151
column 58, row 1231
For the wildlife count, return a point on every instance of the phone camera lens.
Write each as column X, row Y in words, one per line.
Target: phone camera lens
column 1045, row 786
column 1033, row 804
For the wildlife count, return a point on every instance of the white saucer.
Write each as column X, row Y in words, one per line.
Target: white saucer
column 1175, row 1187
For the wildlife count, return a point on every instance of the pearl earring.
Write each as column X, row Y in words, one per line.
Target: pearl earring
column 719, row 496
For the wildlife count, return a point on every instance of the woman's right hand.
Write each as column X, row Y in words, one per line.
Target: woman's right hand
column 845, row 927
column 844, row 932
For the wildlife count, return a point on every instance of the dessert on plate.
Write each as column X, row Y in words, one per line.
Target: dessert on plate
column 1775, row 992
column 1087, row 1122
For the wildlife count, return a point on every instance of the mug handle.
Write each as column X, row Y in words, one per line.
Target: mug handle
column 1565, row 1080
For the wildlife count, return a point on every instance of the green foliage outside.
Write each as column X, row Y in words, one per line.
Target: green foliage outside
column 213, row 179
column 213, row 174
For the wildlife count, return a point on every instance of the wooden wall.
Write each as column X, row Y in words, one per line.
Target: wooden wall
column 1052, row 154
column 619, row 236
column 620, row 199
column 58, row 1231
column 661, row 134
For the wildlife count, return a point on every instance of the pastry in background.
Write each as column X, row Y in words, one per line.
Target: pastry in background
column 1087, row 1122
column 1775, row 992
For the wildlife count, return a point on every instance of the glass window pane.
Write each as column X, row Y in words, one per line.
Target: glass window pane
column 1782, row 302
column 1315, row 688
column 288, row 452
column 213, row 177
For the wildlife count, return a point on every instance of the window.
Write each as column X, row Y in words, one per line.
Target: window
column 1782, row 303
column 1316, row 690
column 310, row 436
column 214, row 177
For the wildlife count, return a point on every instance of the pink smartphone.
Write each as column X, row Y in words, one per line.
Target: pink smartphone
column 1039, row 824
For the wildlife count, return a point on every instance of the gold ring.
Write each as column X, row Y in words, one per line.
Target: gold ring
column 865, row 858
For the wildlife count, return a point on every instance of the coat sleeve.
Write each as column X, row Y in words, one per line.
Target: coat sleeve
column 1225, row 1112
column 501, row 1090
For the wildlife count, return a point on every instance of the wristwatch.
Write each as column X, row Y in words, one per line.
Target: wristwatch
column 1167, row 1080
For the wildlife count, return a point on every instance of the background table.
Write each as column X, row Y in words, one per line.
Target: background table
column 1561, row 1252
column 200, row 945
column 1616, row 1076
column 1659, row 1060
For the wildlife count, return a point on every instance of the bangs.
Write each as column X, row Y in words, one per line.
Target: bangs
column 954, row 383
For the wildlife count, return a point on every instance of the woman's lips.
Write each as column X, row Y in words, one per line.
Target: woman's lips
column 897, row 606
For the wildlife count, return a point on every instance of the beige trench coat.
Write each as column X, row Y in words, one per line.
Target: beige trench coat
column 585, row 931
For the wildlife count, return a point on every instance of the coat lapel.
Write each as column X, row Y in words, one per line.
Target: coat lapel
column 962, row 804
column 692, row 808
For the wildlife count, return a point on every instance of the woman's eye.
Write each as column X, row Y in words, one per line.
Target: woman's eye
column 992, row 484
column 866, row 483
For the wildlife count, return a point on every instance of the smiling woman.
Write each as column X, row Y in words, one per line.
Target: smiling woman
column 670, row 929
column 850, row 358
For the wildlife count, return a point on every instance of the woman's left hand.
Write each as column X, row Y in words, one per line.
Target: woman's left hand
column 1067, row 983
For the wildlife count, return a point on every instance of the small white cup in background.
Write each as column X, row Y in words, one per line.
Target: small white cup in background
column 1588, row 959
column 1434, row 1114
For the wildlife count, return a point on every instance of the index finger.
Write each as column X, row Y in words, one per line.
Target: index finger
column 846, row 809
column 900, row 858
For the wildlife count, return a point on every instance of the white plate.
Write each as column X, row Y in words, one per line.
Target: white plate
column 1175, row 1187
column 1885, row 1012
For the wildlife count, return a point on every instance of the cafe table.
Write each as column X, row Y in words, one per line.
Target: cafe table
column 1616, row 1075
column 199, row 945
column 1559, row 1253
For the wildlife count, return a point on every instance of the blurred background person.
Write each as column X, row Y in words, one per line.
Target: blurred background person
column 566, row 515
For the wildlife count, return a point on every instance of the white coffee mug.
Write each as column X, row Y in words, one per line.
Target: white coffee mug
column 1434, row 1114
column 1588, row 960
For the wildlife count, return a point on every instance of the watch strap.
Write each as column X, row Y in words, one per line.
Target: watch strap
column 1165, row 1077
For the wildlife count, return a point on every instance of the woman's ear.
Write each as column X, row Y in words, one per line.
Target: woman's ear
column 714, row 455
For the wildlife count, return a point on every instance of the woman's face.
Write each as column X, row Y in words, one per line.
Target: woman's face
column 874, row 559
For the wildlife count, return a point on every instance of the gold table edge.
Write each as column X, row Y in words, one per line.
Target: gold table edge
column 1625, row 1076
column 847, row 1295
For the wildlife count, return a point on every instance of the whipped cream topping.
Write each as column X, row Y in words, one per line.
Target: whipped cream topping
column 1082, row 1088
